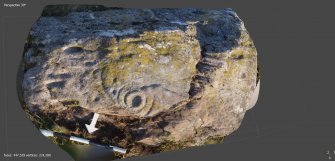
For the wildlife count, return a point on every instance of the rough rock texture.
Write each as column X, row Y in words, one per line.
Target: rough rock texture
column 161, row 79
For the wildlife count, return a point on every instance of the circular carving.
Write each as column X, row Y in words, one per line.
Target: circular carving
column 135, row 100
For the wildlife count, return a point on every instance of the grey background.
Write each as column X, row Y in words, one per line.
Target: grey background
column 293, row 119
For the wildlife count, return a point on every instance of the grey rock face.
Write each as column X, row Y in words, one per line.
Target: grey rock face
column 161, row 79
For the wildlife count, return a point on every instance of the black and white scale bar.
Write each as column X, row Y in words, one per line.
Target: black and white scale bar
column 49, row 133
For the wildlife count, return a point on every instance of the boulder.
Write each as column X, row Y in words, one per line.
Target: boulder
column 161, row 79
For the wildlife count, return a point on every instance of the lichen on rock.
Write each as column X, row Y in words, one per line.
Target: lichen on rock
column 161, row 79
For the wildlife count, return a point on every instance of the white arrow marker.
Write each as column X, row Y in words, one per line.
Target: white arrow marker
column 91, row 128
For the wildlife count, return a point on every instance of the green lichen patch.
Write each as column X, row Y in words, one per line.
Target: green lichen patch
column 213, row 140
column 70, row 102
column 171, row 145
column 151, row 52
column 245, row 40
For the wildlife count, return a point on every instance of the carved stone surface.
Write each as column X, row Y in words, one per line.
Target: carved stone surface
column 161, row 79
